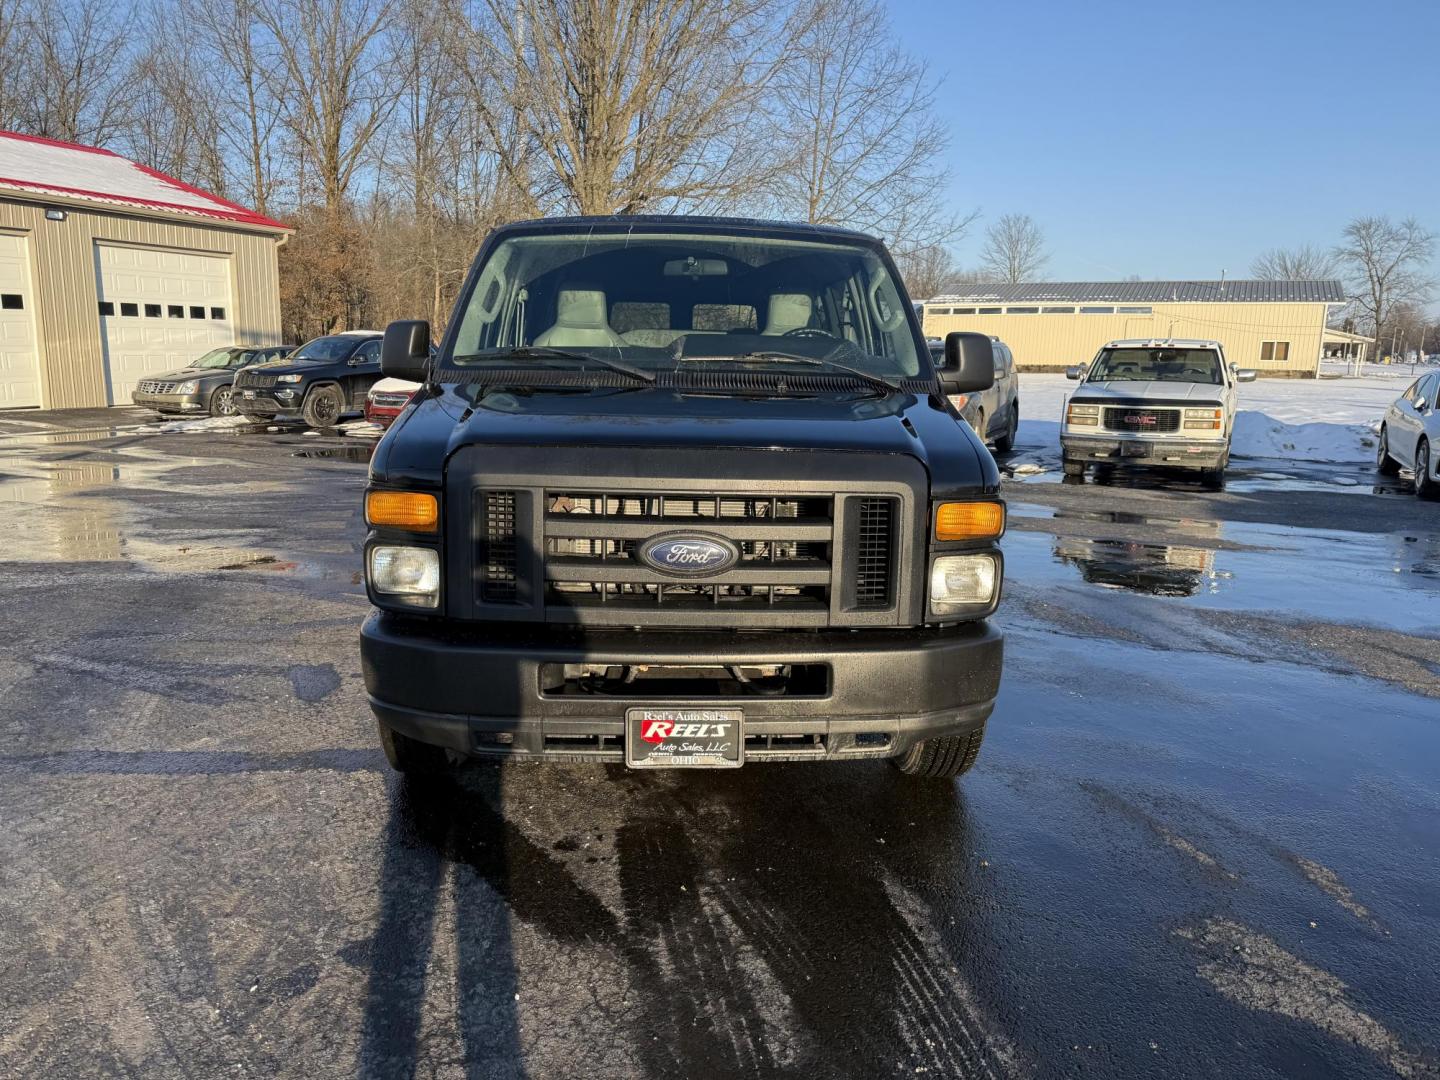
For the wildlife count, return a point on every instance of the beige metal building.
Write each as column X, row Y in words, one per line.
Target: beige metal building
column 110, row 271
column 1277, row 327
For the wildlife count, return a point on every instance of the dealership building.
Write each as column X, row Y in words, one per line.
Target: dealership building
column 111, row 271
column 1277, row 327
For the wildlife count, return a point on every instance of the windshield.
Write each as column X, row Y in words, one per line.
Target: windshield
column 215, row 358
column 1157, row 365
column 327, row 348
column 662, row 301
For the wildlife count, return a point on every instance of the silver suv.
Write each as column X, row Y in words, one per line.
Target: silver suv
column 1149, row 402
column 993, row 413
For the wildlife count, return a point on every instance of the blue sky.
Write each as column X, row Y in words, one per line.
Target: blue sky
column 1177, row 139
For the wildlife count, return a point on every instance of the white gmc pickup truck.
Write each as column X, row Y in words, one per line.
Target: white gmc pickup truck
column 1170, row 403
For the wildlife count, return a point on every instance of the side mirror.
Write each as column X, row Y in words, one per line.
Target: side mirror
column 1074, row 372
column 969, row 363
column 405, row 352
column 1245, row 374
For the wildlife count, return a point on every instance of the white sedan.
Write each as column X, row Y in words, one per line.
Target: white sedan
column 1410, row 436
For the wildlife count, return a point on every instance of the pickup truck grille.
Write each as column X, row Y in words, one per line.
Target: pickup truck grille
column 254, row 378
column 556, row 535
column 1141, row 420
column 153, row 386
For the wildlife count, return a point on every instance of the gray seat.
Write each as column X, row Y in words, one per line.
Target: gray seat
column 786, row 312
column 580, row 320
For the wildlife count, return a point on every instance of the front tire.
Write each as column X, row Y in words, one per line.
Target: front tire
column 1425, row 486
column 1073, row 467
column 323, row 406
column 1385, row 465
column 1006, row 442
column 222, row 401
column 942, row 758
column 409, row 756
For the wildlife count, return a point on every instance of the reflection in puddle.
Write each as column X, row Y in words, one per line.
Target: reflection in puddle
column 1153, row 569
column 360, row 452
column 1207, row 528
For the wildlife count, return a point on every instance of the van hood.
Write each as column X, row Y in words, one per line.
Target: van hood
column 918, row 426
column 1131, row 391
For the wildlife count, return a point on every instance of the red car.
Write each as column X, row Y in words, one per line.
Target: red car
column 386, row 398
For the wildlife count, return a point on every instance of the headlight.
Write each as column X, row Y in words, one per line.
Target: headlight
column 1204, row 419
column 187, row 387
column 961, row 582
column 1083, row 415
column 406, row 571
column 289, row 378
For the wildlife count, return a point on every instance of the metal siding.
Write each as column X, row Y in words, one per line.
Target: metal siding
column 1056, row 341
column 63, row 266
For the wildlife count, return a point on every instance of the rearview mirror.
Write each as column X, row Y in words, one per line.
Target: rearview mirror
column 1246, row 374
column 1074, row 372
column 969, row 363
column 405, row 352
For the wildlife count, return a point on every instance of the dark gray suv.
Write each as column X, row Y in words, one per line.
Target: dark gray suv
column 993, row 413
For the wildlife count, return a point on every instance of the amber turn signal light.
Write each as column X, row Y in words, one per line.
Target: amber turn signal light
column 969, row 520
column 411, row 510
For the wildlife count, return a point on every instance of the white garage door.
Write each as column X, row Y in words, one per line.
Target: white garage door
column 19, row 361
column 159, row 310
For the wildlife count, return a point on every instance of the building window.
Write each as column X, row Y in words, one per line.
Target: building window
column 962, row 311
column 12, row 301
column 177, row 311
column 940, row 311
column 152, row 311
column 107, row 307
column 987, row 311
column 217, row 313
column 1022, row 311
column 197, row 312
column 1057, row 311
column 1134, row 311
column 1274, row 352
column 1097, row 311
column 130, row 309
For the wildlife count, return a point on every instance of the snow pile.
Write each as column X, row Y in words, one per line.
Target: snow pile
column 203, row 423
column 1260, row 435
column 362, row 429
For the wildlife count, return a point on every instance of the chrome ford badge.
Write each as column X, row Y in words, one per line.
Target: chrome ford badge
column 689, row 554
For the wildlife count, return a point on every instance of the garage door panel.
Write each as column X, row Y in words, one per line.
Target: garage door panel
column 142, row 345
column 19, row 353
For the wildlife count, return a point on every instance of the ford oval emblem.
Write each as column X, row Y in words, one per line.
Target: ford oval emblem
column 689, row 554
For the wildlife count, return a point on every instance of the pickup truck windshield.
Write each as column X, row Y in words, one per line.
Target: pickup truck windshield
column 662, row 301
column 1157, row 365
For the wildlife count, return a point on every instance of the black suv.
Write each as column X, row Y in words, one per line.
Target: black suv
column 320, row 382
column 683, row 492
column 203, row 386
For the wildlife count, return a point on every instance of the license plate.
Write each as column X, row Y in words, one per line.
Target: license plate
column 684, row 738
column 1134, row 450
column 248, row 394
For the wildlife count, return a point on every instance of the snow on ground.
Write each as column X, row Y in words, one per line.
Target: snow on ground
column 362, row 429
column 1301, row 419
column 203, row 423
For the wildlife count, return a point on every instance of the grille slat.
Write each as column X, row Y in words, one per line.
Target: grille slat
column 254, row 378
column 874, row 550
column 152, row 386
column 499, row 563
column 1141, row 420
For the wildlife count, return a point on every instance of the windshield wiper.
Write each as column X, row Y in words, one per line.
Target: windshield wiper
column 544, row 352
column 810, row 361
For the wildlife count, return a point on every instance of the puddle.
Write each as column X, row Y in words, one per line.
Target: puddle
column 1151, row 569
column 360, row 452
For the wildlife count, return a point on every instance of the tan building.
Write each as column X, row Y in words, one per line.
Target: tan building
column 1277, row 327
column 110, row 271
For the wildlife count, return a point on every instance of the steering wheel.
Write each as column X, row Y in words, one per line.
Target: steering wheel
column 808, row 332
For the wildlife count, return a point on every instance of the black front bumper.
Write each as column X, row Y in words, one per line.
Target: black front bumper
column 265, row 406
column 461, row 687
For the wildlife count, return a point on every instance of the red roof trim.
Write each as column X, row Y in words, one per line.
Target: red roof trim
column 173, row 182
column 57, row 142
column 240, row 214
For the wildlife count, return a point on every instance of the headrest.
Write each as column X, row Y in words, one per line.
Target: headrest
column 788, row 310
column 581, row 309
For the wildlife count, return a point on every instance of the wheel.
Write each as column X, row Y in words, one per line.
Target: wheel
column 408, row 756
column 323, row 406
column 1214, row 479
column 1425, row 486
column 1006, row 442
column 1073, row 467
column 1385, row 465
column 222, row 401
column 945, row 757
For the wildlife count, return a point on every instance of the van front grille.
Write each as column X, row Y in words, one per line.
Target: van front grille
column 499, row 558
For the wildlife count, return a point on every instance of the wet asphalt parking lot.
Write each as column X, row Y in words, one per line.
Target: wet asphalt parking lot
column 1203, row 838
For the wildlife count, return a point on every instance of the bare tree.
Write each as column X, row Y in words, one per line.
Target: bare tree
column 1304, row 263
column 12, row 94
column 1014, row 249
column 1385, row 262
column 75, row 68
column 928, row 271
column 860, row 112
column 637, row 104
